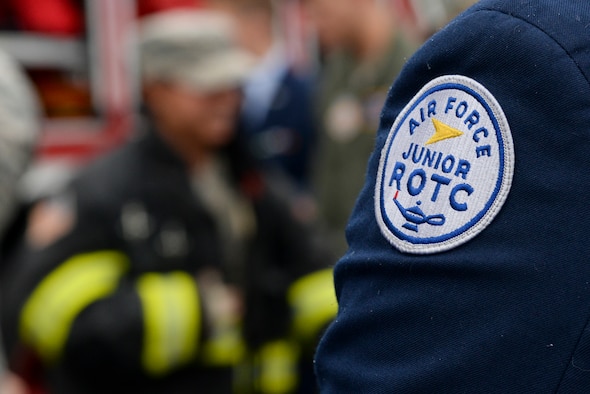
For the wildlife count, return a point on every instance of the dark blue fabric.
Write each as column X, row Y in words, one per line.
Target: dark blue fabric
column 508, row 311
column 284, row 139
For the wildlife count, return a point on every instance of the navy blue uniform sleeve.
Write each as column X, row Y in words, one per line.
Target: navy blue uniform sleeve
column 508, row 310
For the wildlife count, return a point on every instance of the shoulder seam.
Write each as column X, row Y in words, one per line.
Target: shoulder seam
column 528, row 22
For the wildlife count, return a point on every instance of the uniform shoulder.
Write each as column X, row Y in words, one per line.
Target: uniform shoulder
column 108, row 177
column 566, row 23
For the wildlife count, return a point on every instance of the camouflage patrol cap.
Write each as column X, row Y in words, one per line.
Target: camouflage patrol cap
column 195, row 48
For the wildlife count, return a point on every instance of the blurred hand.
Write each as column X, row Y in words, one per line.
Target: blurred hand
column 12, row 384
column 48, row 222
column 223, row 303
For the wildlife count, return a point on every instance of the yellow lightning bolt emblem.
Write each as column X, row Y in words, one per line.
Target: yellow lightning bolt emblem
column 443, row 132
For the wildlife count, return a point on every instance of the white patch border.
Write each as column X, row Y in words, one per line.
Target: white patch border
column 505, row 184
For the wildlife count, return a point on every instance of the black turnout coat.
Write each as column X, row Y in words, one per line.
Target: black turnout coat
column 101, row 350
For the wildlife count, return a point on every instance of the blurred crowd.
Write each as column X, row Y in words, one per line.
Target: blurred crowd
column 197, row 255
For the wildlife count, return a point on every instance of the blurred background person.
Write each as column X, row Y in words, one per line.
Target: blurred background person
column 277, row 120
column 362, row 49
column 20, row 123
column 431, row 16
column 177, row 269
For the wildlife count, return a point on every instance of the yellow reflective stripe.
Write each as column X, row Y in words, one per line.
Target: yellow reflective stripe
column 170, row 305
column 313, row 300
column 225, row 348
column 278, row 367
column 48, row 314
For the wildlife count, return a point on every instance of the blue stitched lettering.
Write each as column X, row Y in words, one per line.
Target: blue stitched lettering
column 461, row 109
column 397, row 174
column 440, row 180
column 485, row 150
column 483, row 130
column 429, row 158
column 448, row 164
column 472, row 119
column 438, row 161
column 460, row 206
column 407, row 154
column 415, row 190
column 432, row 108
column 463, row 168
column 417, row 159
column 413, row 125
column 450, row 104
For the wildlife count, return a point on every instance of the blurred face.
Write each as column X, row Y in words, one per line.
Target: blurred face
column 196, row 120
column 252, row 20
column 334, row 21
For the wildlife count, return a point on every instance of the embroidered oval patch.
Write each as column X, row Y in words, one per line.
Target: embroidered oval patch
column 446, row 168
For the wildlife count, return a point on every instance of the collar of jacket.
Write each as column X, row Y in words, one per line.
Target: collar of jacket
column 159, row 149
column 244, row 172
